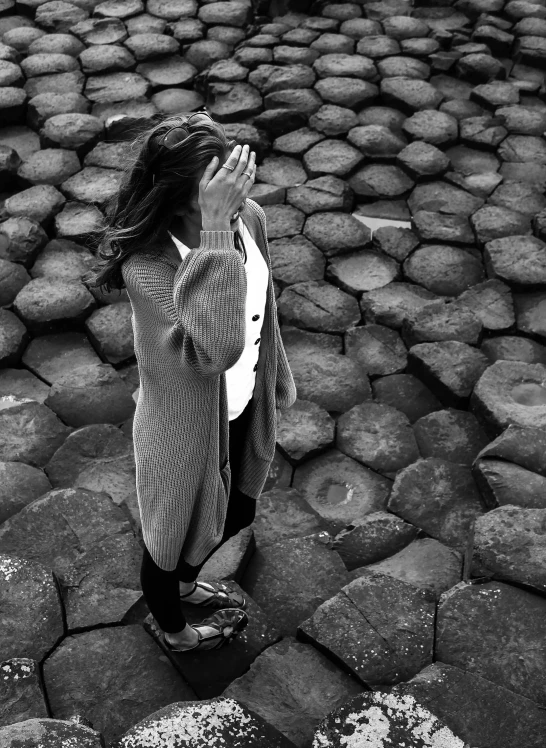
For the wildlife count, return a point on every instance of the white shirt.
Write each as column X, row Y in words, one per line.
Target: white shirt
column 240, row 379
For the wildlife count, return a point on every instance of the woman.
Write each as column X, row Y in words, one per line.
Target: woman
column 192, row 252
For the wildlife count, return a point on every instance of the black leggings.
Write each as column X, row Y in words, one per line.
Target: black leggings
column 160, row 587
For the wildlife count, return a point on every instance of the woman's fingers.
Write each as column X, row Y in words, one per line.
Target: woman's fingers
column 243, row 160
column 250, row 174
column 209, row 172
column 233, row 158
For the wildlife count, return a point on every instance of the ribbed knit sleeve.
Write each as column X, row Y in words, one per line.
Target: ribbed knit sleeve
column 208, row 294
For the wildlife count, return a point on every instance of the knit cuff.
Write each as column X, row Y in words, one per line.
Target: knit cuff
column 217, row 240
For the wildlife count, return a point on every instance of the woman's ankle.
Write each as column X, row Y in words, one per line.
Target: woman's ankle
column 187, row 635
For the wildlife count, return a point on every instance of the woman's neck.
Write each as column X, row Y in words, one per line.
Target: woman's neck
column 188, row 232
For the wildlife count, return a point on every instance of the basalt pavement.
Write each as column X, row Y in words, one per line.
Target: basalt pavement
column 396, row 569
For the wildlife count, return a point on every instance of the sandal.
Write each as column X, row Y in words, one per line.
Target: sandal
column 228, row 623
column 222, row 597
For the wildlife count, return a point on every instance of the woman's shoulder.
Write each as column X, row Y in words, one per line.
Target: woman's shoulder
column 143, row 262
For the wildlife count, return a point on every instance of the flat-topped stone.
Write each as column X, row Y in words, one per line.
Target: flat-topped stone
column 72, row 131
column 466, row 640
column 357, row 437
column 425, row 563
column 39, row 203
column 511, row 392
column 49, row 166
column 443, row 269
column 449, row 367
column 371, row 717
column 31, row 432
column 100, row 31
column 112, row 87
column 446, row 508
column 334, row 157
column 93, row 393
column 357, row 626
column 45, row 105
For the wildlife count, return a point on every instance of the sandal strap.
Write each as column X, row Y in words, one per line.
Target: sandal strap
column 220, row 593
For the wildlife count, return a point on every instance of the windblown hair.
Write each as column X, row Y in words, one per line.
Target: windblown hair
column 157, row 182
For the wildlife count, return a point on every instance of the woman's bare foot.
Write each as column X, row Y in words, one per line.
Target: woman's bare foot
column 188, row 638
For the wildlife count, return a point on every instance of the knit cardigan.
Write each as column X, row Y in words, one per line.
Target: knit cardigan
column 189, row 329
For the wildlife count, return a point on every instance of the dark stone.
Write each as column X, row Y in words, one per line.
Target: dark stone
column 46, row 105
column 476, row 709
column 438, row 227
column 322, row 194
column 471, row 621
column 359, row 629
column 425, row 563
column 303, row 100
column 395, row 242
column 333, row 157
column 530, row 313
column 379, row 349
column 423, row 160
column 336, row 233
column 510, row 392
column 503, row 483
column 112, row 87
column 407, row 394
column 494, row 222
column 376, row 537
column 380, row 181
column 452, row 435
column 345, row 65
column 357, row 437
column 301, row 558
column 346, row 92
column 21, row 239
column 442, row 321
column 232, row 102
column 333, row 120
column 443, row 269
column 392, row 304
column 362, row 271
column 438, row 496
column 319, row 306
column 376, row 141
column 450, row 368
column 304, row 682
column 410, row 94
column 491, row 302
column 168, row 72
column 512, row 348
column 92, row 393
column 325, row 482
column 517, row 259
column 444, row 198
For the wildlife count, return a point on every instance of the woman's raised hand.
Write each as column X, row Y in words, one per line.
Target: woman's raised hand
column 221, row 193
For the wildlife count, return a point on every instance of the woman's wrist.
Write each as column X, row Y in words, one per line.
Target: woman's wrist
column 216, row 224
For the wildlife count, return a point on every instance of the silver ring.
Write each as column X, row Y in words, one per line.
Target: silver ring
column 225, row 166
column 247, row 173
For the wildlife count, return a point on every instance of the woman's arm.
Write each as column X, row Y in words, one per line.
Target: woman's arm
column 206, row 301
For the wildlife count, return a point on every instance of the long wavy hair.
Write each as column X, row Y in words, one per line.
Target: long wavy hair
column 156, row 183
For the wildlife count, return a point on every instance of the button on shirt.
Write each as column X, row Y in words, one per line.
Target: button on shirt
column 240, row 379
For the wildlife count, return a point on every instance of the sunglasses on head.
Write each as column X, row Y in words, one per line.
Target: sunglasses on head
column 177, row 134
